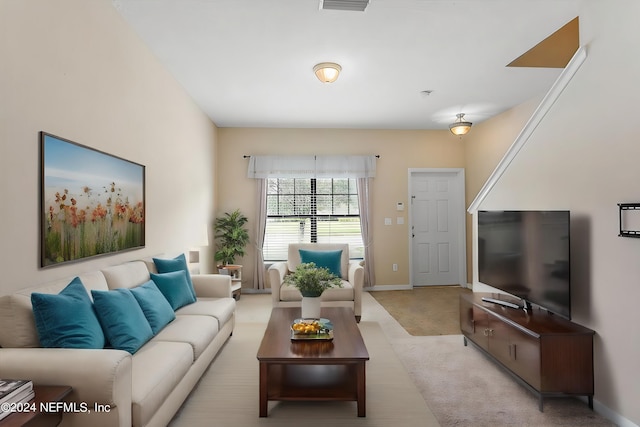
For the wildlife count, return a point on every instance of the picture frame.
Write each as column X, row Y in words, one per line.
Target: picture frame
column 91, row 203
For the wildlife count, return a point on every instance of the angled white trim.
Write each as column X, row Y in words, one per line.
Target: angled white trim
column 545, row 105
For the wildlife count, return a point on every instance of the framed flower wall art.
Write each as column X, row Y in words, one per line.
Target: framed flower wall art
column 92, row 203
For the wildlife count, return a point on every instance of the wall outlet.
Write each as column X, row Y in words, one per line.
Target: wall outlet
column 395, row 267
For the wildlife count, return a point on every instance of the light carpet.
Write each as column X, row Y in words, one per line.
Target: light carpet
column 227, row 395
column 460, row 386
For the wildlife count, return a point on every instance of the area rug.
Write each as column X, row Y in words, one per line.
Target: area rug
column 464, row 388
column 227, row 394
column 424, row 311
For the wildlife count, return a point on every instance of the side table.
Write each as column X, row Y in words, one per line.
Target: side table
column 235, row 271
column 43, row 394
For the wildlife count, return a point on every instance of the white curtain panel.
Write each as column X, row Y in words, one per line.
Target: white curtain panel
column 260, row 225
column 312, row 167
column 366, row 227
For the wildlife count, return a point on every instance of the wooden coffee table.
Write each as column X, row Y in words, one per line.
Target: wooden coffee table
column 312, row 370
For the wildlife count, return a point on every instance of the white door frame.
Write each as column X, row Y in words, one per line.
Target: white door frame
column 459, row 217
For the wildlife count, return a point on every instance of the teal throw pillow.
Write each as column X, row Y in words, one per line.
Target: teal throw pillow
column 154, row 305
column 178, row 263
column 122, row 319
column 327, row 259
column 67, row 319
column 175, row 288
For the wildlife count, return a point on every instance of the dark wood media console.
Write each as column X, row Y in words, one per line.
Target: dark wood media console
column 548, row 354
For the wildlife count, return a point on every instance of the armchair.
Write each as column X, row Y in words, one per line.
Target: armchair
column 352, row 275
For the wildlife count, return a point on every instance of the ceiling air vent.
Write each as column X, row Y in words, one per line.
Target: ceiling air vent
column 357, row 5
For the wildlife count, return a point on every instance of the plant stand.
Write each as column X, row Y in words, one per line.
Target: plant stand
column 235, row 271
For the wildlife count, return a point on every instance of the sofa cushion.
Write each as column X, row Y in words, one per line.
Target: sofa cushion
column 197, row 331
column 122, row 319
column 157, row 369
column 126, row 275
column 67, row 319
column 154, row 305
column 220, row 308
column 178, row 263
column 323, row 259
column 175, row 288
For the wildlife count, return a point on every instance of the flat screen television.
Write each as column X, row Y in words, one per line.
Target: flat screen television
column 526, row 254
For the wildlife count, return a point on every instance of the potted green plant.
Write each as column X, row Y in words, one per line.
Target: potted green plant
column 232, row 237
column 312, row 281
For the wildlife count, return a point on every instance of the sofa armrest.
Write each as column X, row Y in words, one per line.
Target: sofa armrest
column 277, row 271
column 97, row 376
column 212, row 285
column 356, row 278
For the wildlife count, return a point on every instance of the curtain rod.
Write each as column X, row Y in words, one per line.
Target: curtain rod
column 247, row 156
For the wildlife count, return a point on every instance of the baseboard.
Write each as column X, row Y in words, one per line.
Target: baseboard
column 256, row 291
column 615, row 417
column 387, row 288
column 400, row 287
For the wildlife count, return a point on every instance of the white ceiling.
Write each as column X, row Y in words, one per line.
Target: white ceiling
column 248, row 63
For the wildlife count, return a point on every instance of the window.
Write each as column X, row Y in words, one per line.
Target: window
column 309, row 210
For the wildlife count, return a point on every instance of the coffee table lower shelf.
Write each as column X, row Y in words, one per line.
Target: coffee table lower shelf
column 312, row 382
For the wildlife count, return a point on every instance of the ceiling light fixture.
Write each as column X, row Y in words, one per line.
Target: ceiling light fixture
column 327, row 72
column 460, row 126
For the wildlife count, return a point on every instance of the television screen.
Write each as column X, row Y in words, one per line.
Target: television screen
column 526, row 254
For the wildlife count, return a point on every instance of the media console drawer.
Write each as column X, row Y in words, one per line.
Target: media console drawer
column 550, row 355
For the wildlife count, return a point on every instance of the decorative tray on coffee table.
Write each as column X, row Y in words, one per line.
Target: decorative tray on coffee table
column 311, row 329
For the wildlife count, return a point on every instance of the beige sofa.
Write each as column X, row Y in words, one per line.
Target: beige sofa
column 349, row 295
column 143, row 389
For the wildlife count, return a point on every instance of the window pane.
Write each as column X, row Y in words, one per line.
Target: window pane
column 341, row 186
column 272, row 186
column 324, row 205
column 303, row 186
column 354, row 207
column 293, row 207
column 303, row 204
column 272, row 205
column 285, row 205
column 323, row 186
column 341, row 205
column 286, row 186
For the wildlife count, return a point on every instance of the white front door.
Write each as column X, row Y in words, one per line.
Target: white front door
column 437, row 227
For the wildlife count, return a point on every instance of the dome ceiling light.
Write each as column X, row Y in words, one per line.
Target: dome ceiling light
column 460, row 126
column 327, row 72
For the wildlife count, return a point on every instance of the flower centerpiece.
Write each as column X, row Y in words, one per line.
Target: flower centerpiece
column 312, row 281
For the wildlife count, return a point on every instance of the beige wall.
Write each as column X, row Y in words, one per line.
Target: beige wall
column 74, row 68
column 583, row 157
column 398, row 150
column 484, row 147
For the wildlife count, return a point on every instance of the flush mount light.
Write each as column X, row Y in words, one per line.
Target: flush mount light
column 327, row 72
column 460, row 126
